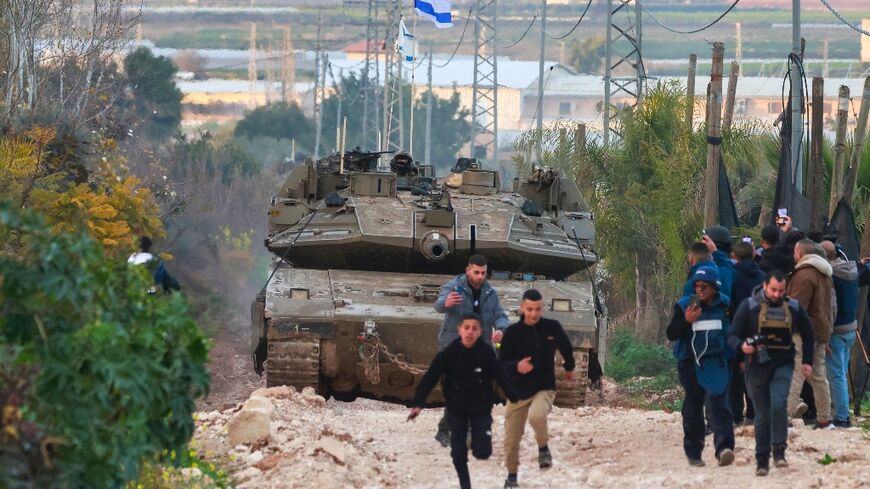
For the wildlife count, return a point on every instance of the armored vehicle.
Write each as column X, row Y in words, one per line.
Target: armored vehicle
column 363, row 250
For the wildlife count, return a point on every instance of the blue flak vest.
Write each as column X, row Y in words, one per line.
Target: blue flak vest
column 708, row 348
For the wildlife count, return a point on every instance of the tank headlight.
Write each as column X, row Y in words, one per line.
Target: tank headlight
column 434, row 246
column 299, row 294
column 561, row 305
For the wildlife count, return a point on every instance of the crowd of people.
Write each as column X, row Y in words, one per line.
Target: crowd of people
column 763, row 336
column 467, row 365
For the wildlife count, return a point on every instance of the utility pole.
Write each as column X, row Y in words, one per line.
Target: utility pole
column 484, row 92
column 714, row 138
column 252, row 65
column 839, row 149
column 825, row 59
column 427, row 156
column 413, row 91
column 815, row 176
column 797, row 125
column 270, row 75
column 540, row 109
column 366, row 74
column 729, row 97
column 623, row 55
column 323, row 62
column 288, row 68
column 392, row 128
column 690, row 90
column 858, row 144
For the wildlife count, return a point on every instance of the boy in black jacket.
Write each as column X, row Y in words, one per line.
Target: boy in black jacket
column 468, row 366
column 528, row 350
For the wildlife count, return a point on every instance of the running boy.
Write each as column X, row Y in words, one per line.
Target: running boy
column 468, row 366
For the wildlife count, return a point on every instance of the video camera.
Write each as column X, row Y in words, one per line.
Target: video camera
column 759, row 343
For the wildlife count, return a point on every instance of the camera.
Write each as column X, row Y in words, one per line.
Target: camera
column 758, row 341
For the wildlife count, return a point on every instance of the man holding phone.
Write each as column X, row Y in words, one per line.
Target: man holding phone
column 469, row 292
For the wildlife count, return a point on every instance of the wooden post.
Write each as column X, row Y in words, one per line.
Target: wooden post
column 714, row 138
column 839, row 149
column 729, row 97
column 815, row 179
column 858, row 145
column 690, row 90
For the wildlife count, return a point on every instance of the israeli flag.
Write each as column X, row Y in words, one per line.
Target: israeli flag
column 438, row 11
column 407, row 42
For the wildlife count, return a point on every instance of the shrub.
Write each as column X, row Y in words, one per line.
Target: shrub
column 95, row 374
column 629, row 357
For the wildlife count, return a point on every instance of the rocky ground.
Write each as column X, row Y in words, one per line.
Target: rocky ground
column 280, row 438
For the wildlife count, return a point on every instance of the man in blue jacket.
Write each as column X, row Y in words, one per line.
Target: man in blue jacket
column 845, row 277
column 700, row 323
column 469, row 292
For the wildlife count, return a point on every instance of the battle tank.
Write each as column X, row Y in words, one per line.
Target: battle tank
column 362, row 251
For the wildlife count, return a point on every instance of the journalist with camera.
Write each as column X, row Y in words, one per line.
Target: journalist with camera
column 762, row 329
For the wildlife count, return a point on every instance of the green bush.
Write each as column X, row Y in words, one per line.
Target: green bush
column 629, row 357
column 96, row 375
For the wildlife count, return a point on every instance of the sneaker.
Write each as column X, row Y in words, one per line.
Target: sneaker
column 511, row 481
column 726, row 457
column 443, row 437
column 696, row 462
column 762, row 470
column 843, row 424
column 800, row 410
column 823, row 425
column 545, row 459
column 779, row 457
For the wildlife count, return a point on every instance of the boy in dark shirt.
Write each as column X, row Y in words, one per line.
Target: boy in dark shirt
column 468, row 366
column 528, row 352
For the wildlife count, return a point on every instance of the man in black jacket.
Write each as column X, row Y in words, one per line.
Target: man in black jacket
column 747, row 276
column 762, row 329
column 468, row 366
column 528, row 351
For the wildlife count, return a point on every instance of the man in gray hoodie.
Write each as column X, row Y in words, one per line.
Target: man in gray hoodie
column 845, row 276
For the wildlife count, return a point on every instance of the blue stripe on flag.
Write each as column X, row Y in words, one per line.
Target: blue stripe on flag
column 426, row 9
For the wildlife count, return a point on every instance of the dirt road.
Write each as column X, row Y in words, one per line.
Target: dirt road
column 367, row 444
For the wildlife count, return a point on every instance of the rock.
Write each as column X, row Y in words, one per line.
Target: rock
column 248, row 426
column 191, row 473
column 280, row 392
column 333, row 447
column 255, row 457
column 259, row 403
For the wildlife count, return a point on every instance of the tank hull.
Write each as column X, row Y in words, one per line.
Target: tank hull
column 352, row 333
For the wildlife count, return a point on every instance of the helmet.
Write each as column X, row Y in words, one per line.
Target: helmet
column 719, row 235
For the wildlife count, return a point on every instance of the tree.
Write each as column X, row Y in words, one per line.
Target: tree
column 450, row 123
column 157, row 99
column 280, row 121
column 587, row 54
column 96, row 376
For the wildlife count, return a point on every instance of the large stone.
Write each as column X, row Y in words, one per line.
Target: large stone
column 248, row 426
column 260, row 404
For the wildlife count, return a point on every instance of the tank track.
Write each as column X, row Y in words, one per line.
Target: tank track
column 294, row 360
column 572, row 394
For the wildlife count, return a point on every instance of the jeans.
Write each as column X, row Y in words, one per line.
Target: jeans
column 737, row 394
column 693, row 414
column 768, row 387
column 838, row 365
column 481, row 441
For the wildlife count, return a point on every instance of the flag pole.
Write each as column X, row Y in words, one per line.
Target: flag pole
column 413, row 76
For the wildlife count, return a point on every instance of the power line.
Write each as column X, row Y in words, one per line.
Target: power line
column 464, row 30
column 843, row 19
column 508, row 46
column 692, row 31
column 588, row 4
